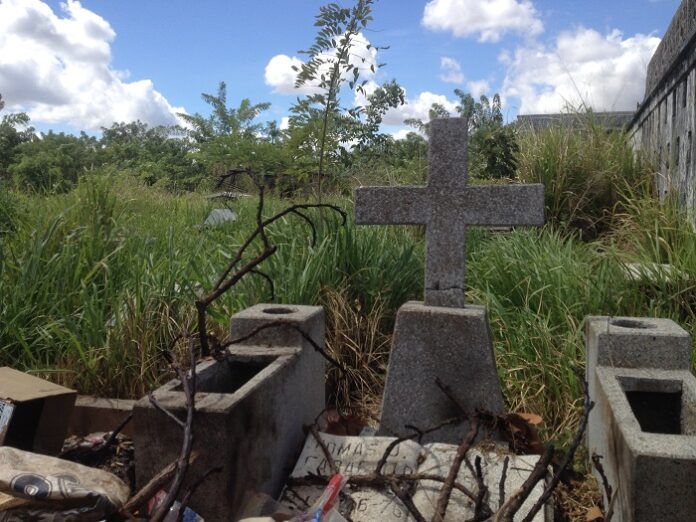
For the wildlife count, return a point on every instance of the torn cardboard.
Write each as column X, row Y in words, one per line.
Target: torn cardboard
column 34, row 413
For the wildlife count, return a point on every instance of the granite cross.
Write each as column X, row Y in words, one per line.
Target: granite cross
column 446, row 205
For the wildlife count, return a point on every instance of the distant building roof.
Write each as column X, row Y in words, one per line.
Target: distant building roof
column 610, row 120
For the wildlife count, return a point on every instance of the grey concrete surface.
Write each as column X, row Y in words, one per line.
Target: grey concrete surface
column 446, row 206
column 653, row 474
column 452, row 344
column 250, row 410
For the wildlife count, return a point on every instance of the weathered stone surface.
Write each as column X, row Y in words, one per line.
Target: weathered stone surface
column 446, row 206
column 219, row 216
column 94, row 414
column 652, row 473
column 360, row 456
column 438, row 461
column 644, row 420
column 250, row 410
column 666, row 118
column 452, row 344
column 636, row 342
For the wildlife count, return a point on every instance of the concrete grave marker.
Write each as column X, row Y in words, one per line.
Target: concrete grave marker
column 446, row 206
column 442, row 337
column 219, row 216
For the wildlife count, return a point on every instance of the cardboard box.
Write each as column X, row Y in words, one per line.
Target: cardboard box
column 34, row 413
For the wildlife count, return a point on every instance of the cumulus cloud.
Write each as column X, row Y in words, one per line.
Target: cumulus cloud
column 279, row 73
column 478, row 87
column 604, row 72
column 58, row 68
column 451, row 70
column 418, row 107
column 486, row 19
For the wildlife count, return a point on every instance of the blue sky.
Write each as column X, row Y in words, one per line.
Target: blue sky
column 81, row 65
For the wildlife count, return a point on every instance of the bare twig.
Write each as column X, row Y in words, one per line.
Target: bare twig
column 203, row 302
column 481, row 509
column 373, row 480
column 227, row 278
column 268, row 279
column 513, row 504
column 162, row 409
column 193, row 487
column 281, row 323
column 568, row 460
column 609, row 508
column 404, row 496
column 446, row 490
column 153, row 486
column 114, row 434
column 417, row 435
column 501, row 484
column 188, row 383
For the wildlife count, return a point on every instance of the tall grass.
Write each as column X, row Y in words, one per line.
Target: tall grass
column 586, row 171
column 95, row 282
column 539, row 285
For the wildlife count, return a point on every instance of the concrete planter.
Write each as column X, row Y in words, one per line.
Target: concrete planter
column 250, row 411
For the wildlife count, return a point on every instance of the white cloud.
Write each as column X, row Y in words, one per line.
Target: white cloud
column 419, row 108
column 605, row 72
column 451, row 70
column 58, row 68
column 478, row 87
column 280, row 75
column 402, row 133
column 486, row 19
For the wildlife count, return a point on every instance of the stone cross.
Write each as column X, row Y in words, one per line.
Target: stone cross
column 446, row 206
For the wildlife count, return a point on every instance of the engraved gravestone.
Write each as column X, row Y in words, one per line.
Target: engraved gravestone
column 443, row 337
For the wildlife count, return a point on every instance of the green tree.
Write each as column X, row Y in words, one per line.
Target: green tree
column 159, row 154
column 14, row 130
column 493, row 145
column 321, row 130
column 224, row 121
column 231, row 138
column 436, row 110
column 54, row 162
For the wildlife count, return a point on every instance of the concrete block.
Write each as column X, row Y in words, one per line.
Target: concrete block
column 453, row 344
column 636, row 342
column 95, row 414
column 644, row 426
column 250, row 410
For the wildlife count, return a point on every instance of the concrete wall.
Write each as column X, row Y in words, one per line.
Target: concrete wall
column 665, row 121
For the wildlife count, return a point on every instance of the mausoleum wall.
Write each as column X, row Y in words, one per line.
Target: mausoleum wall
column 664, row 123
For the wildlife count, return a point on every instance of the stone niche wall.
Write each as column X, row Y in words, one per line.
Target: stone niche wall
column 665, row 122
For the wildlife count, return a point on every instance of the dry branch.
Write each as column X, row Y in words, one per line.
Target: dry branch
column 188, row 382
column 446, row 490
column 609, row 508
column 228, row 279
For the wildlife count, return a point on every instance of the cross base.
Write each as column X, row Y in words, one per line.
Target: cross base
column 452, row 344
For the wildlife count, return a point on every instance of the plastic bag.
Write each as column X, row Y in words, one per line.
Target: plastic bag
column 46, row 489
